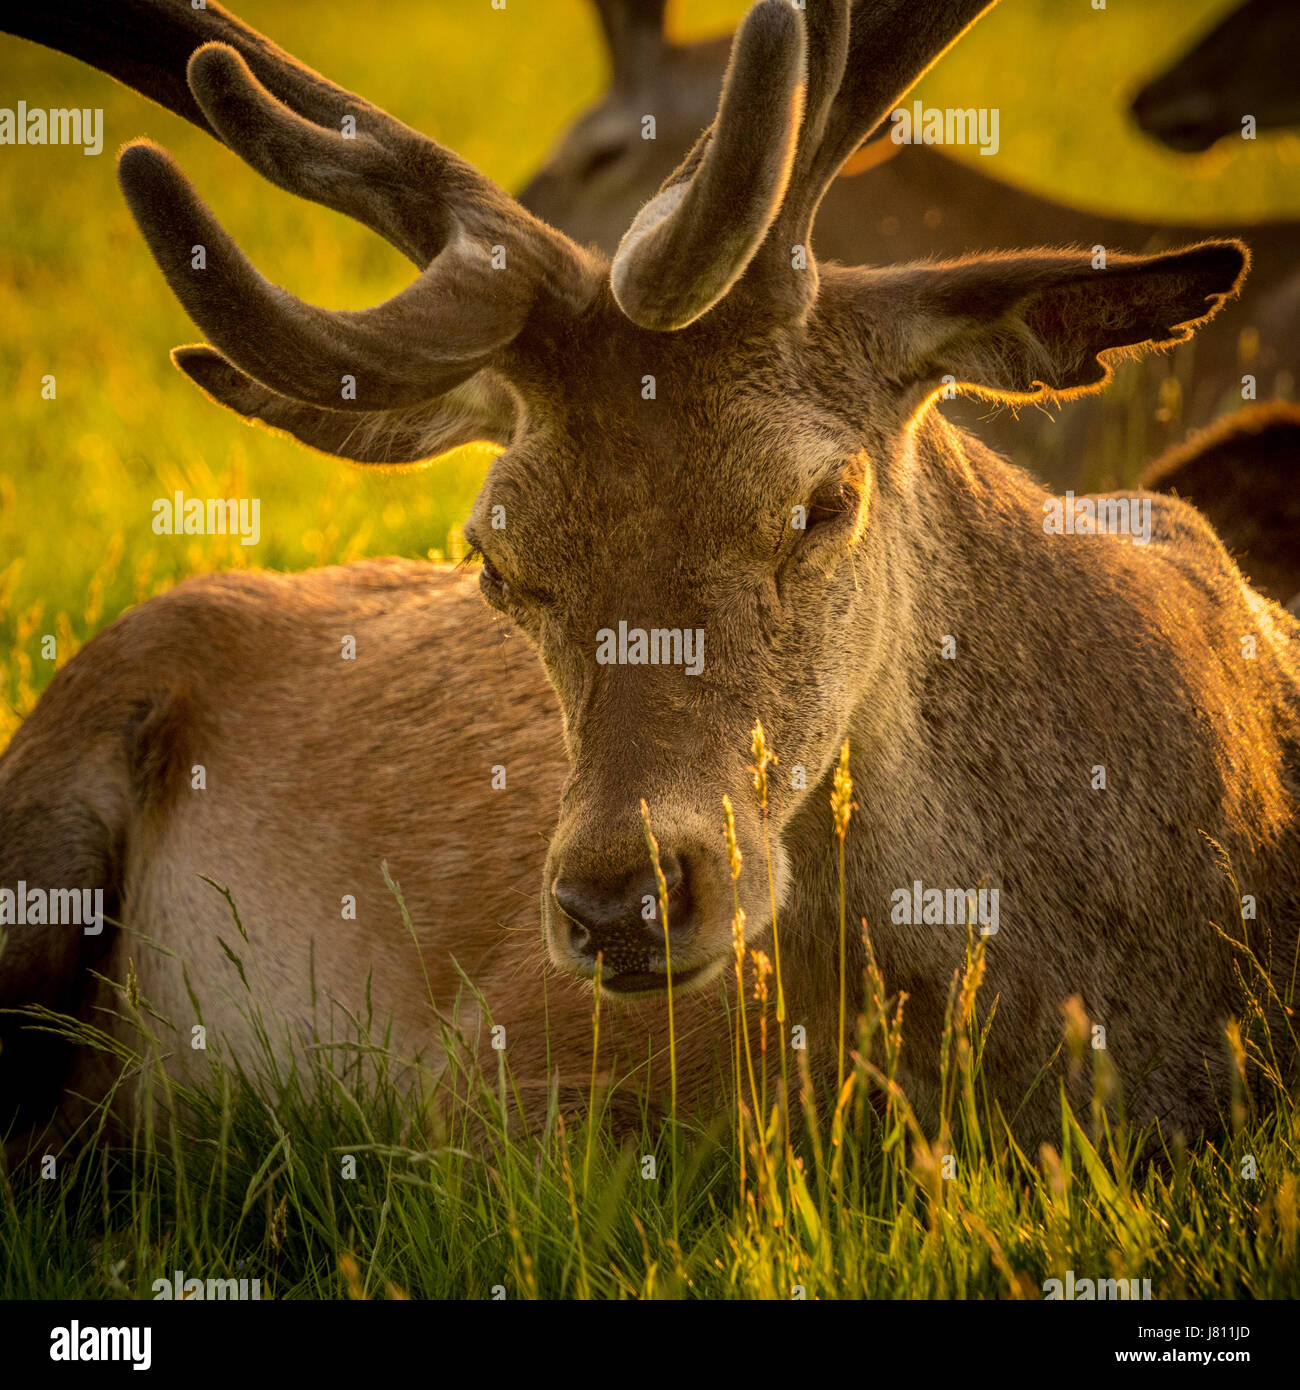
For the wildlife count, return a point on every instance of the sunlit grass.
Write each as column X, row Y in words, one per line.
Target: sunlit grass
column 346, row 1172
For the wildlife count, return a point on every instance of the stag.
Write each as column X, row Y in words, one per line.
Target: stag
column 1242, row 69
column 715, row 432
column 904, row 202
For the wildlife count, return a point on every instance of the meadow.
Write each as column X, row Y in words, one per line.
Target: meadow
column 849, row 1202
column 345, row 1173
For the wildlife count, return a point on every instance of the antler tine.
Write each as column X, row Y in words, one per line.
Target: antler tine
column 287, row 122
column 389, row 178
column 408, row 435
column 746, row 185
column 446, row 322
column 891, row 43
column 634, row 36
column 827, row 24
column 146, row 44
column 694, row 239
column 245, row 90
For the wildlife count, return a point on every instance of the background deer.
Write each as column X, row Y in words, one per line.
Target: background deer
column 1243, row 472
column 904, row 202
column 1244, row 66
column 1069, row 718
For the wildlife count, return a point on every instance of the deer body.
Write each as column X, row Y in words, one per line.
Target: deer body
column 958, row 778
column 1243, row 472
column 293, row 821
column 1089, row 725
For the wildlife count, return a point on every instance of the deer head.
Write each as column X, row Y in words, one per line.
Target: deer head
column 717, row 499
column 1244, row 66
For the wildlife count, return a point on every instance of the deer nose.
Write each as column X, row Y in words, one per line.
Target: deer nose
column 618, row 917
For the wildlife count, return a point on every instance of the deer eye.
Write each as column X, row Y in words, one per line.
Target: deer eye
column 836, row 512
column 832, row 507
column 601, row 159
column 492, row 583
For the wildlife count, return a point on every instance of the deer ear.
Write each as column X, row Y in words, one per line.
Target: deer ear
column 482, row 408
column 1053, row 324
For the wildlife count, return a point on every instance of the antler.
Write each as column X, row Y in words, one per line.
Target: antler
column 869, row 54
column 825, row 74
column 694, row 238
column 803, row 87
column 485, row 261
column 634, row 36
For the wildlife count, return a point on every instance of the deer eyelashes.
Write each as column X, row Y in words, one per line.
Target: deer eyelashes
column 501, row 593
column 836, row 513
column 493, row 585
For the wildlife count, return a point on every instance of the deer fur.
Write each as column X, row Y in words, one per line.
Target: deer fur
column 1243, row 472
column 793, row 391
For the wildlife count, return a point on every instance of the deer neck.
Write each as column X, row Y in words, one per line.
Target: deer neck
column 947, row 522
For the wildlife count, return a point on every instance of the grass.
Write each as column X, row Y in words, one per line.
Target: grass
column 338, row 1171
column 244, row 1176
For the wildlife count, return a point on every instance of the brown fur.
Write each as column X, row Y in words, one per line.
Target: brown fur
column 678, row 510
column 1243, row 472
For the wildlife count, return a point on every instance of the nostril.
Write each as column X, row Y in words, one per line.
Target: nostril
column 671, row 868
column 575, row 900
column 610, row 915
column 580, row 940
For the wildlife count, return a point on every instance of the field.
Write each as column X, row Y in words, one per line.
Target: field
column 332, row 1178
column 744, row 1210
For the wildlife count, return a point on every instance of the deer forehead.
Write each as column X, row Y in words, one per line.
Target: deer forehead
column 718, row 478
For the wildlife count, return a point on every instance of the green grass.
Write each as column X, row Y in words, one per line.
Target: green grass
column 328, row 1176
column 250, row 1170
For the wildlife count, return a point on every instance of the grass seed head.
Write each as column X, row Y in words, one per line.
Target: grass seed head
column 842, row 805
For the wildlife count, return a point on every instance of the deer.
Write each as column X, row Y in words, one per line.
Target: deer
column 1243, row 67
column 910, row 201
column 1243, row 473
column 715, row 432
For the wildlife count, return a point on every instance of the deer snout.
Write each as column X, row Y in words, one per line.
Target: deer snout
column 1186, row 121
column 617, row 916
